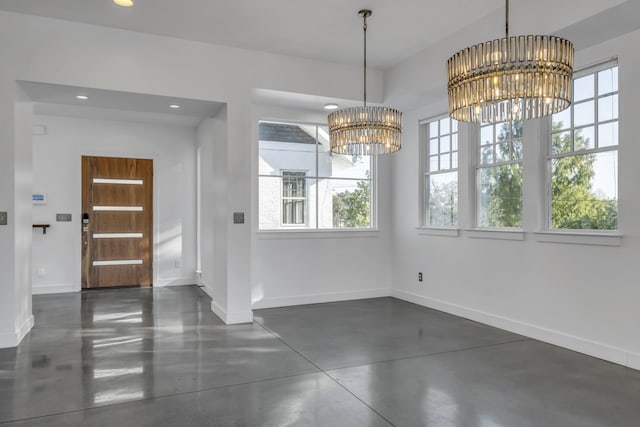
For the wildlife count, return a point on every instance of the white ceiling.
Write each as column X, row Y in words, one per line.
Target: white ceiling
column 328, row 29
column 114, row 105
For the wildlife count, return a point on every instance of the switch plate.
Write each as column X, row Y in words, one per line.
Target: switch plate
column 63, row 217
column 238, row 217
column 3, row 218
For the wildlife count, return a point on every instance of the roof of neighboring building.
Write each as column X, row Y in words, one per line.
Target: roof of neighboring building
column 281, row 132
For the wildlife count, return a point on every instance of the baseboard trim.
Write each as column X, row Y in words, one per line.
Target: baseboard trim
column 12, row 340
column 54, row 289
column 634, row 361
column 24, row 328
column 237, row 317
column 177, row 281
column 8, row 340
column 320, row 298
column 218, row 311
column 561, row 339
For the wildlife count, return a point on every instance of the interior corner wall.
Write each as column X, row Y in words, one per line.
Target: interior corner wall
column 305, row 268
column 7, row 204
column 45, row 50
column 582, row 297
column 15, row 198
column 57, row 173
column 23, row 184
column 211, row 143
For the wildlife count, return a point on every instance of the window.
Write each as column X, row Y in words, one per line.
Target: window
column 499, row 176
column 583, row 154
column 302, row 185
column 294, row 197
column 441, row 173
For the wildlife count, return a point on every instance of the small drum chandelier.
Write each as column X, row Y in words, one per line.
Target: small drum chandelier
column 366, row 130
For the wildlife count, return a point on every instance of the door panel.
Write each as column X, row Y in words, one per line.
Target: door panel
column 118, row 222
column 117, row 196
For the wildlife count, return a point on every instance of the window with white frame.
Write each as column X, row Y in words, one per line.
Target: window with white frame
column 303, row 186
column 441, row 173
column 583, row 154
column 294, row 197
column 499, row 176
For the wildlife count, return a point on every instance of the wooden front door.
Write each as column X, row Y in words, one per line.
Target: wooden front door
column 117, row 221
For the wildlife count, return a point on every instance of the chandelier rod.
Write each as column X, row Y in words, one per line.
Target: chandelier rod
column 506, row 21
column 365, row 13
column 506, row 29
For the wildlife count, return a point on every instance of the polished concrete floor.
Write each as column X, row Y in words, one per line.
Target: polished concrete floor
column 143, row 357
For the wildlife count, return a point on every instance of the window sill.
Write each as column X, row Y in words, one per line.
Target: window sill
column 495, row 233
column 579, row 238
column 434, row 231
column 316, row 234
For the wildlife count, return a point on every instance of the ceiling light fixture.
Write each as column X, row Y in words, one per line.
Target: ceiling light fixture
column 514, row 78
column 82, row 97
column 365, row 130
column 331, row 106
column 124, row 3
column 174, row 106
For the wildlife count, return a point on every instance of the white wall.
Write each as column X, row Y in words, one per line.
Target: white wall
column 60, row 52
column 583, row 297
column 292, row 268
column 57, row 173
column 212, row 137
column 23, row 182
column 590, row 307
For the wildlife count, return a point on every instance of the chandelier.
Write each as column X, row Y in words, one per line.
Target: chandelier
column 366, row 130
column 514, row 78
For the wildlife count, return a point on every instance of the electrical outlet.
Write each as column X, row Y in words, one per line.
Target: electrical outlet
column 177, row 263
column 419, row 277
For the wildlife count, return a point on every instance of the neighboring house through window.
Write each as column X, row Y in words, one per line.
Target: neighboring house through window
column 302, row 185
column 294, row 197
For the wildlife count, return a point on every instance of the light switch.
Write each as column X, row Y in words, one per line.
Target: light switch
column 238, row 217
column 3, row 218
column 63, row 217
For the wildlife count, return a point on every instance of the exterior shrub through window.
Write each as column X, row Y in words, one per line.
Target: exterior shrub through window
column 499, row 176
column 583, row 155
column 441, row 175
column 303, row 186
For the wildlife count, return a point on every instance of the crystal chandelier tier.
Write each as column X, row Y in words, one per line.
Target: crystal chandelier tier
column 514, row 78
column 366, row 130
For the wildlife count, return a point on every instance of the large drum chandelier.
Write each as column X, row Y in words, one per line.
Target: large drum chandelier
column 366, row 130
column 514, row 78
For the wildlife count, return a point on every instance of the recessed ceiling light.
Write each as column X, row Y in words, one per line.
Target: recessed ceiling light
column 176, row 106
column 331, row 106
column 82, row 97
column 124, row 3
